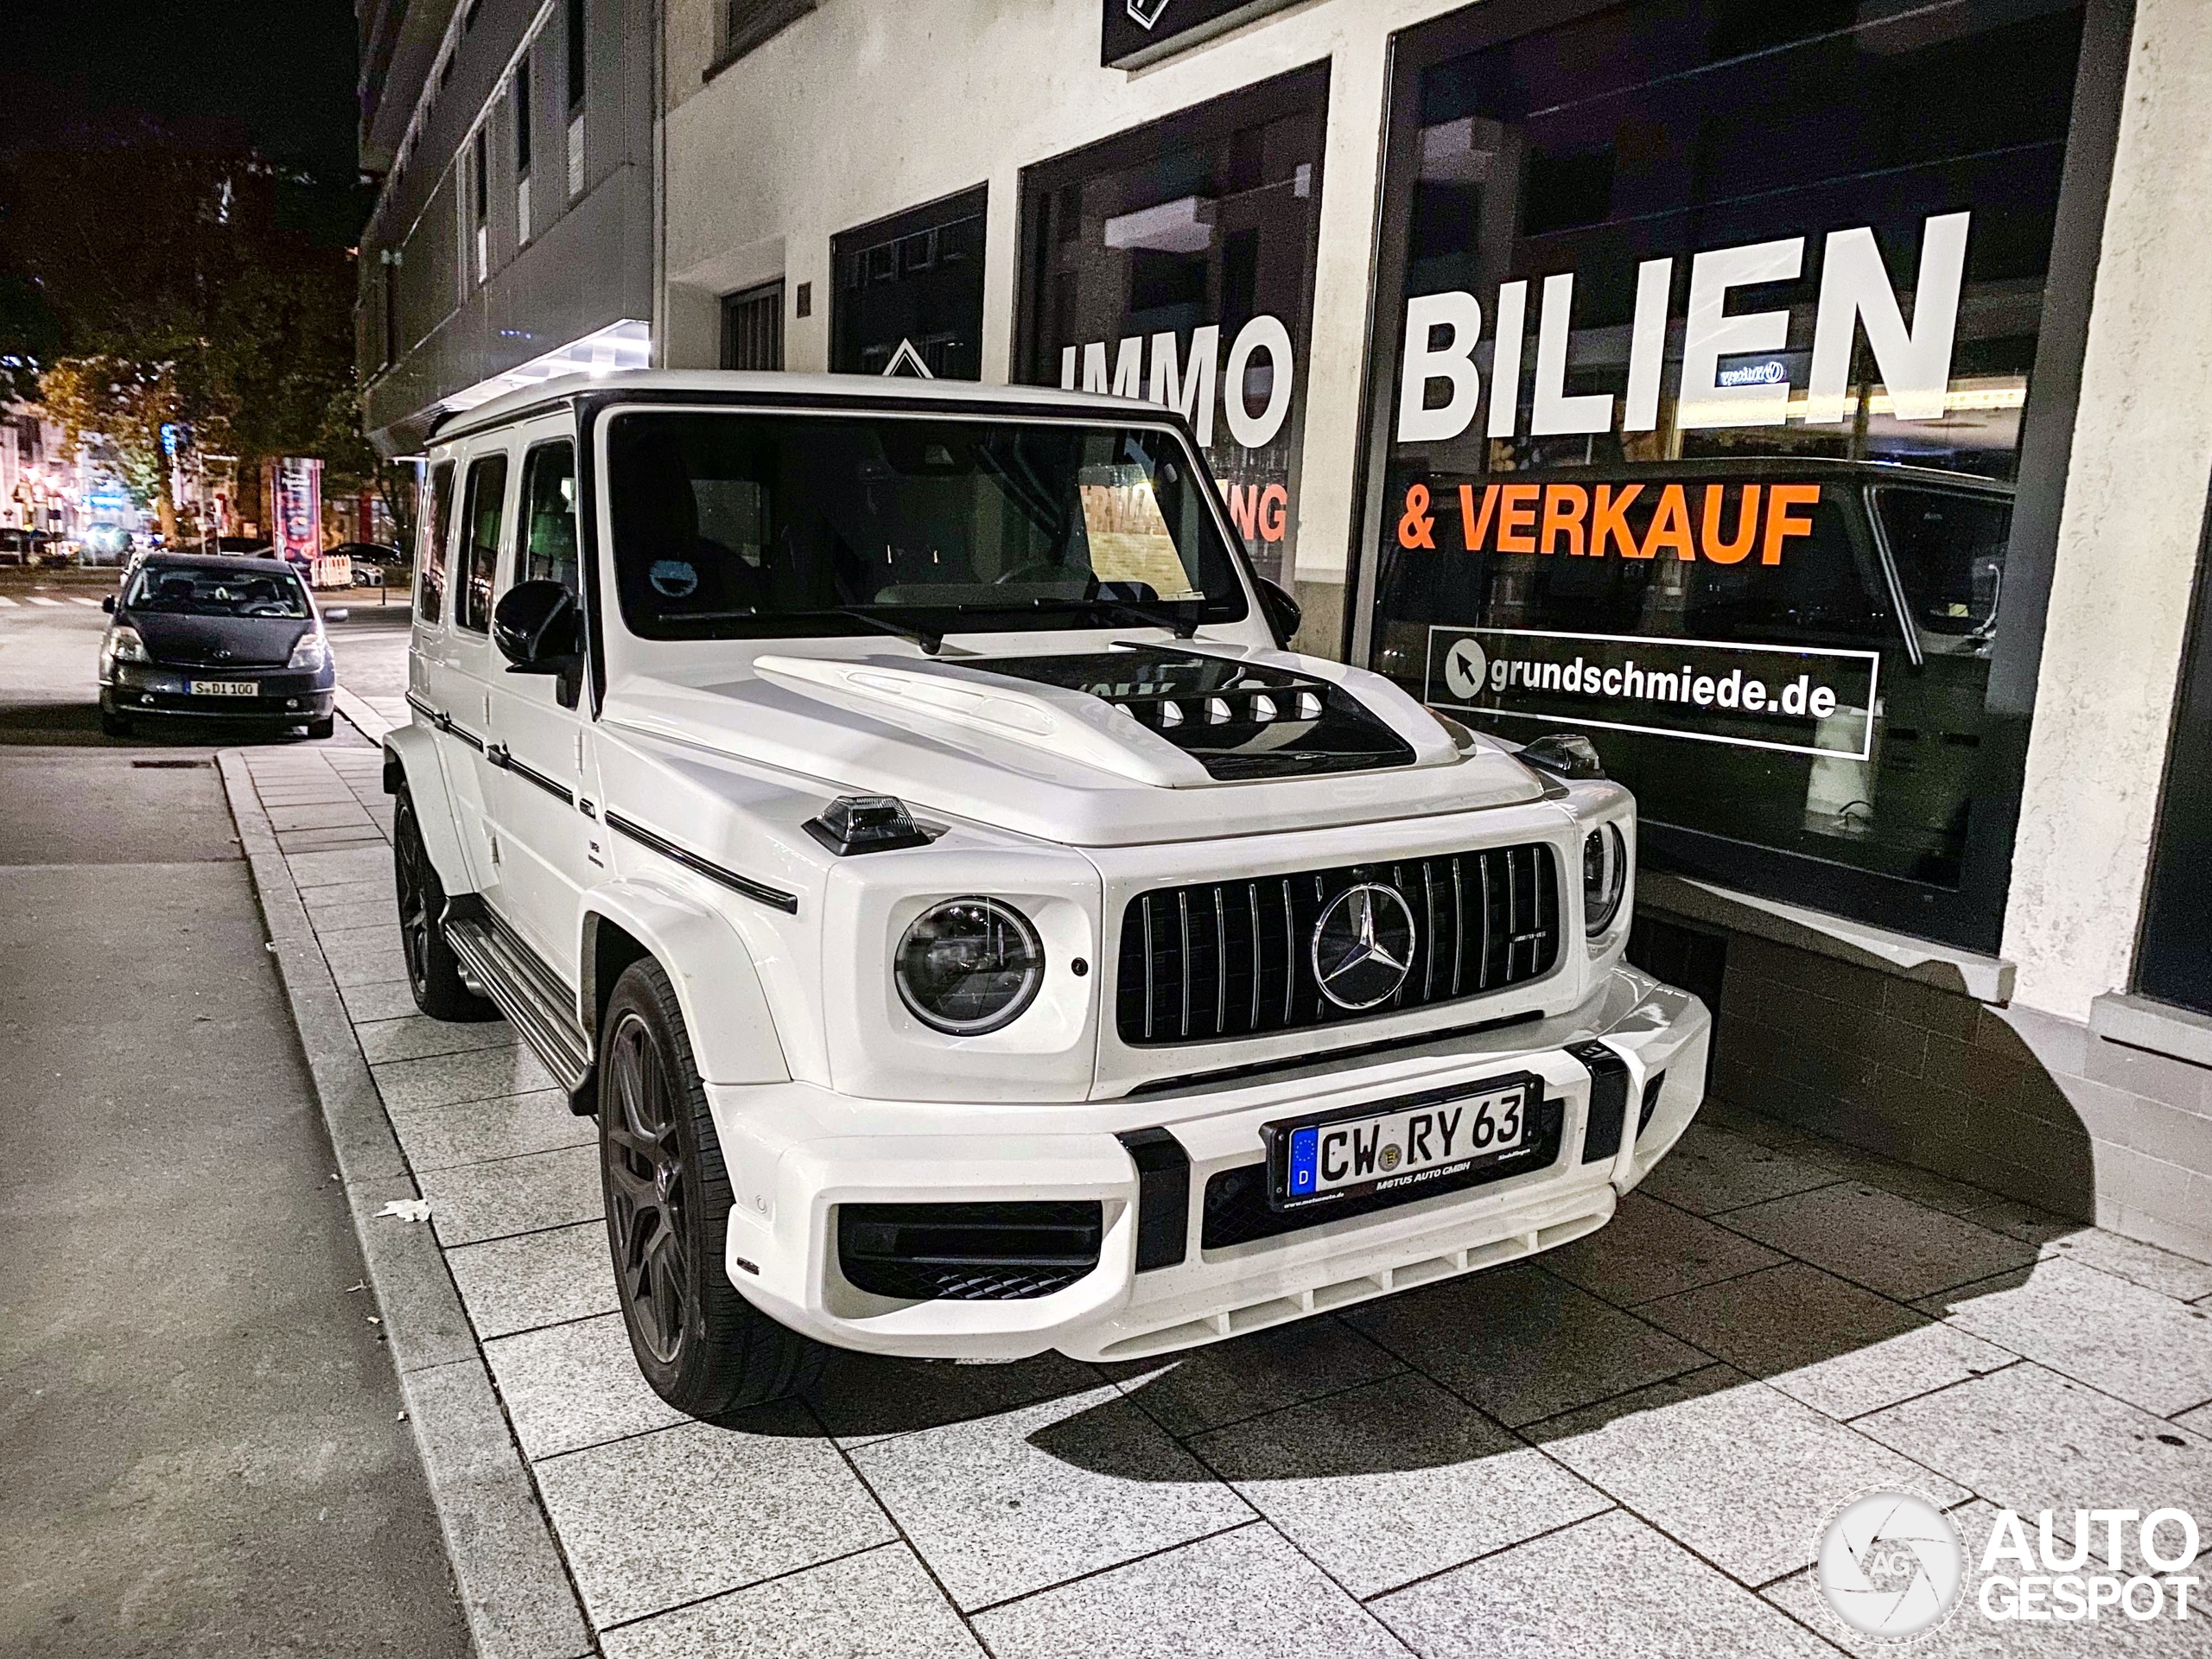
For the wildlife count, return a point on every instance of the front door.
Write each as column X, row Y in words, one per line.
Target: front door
column 538, row 777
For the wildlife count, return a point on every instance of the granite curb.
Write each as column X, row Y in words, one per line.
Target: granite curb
column 513, row 1583
column 361, row 717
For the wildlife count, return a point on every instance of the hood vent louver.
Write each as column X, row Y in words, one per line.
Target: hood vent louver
column 1239, row 720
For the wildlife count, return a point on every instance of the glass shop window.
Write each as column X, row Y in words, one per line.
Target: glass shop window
column 1725, row 314
column 1175, row 262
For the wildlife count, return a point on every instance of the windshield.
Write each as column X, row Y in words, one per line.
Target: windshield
column 184, row 590
column 1950, row 554
column 744, row 525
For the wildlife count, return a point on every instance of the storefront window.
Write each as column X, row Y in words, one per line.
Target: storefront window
column 1710, row 343
column 1175, row 262
column 909, row 293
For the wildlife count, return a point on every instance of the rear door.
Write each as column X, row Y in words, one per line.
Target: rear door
column 436, row 680
column 471, row 662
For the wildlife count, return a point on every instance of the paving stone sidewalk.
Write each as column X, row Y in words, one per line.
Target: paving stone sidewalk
column 1627, row 1447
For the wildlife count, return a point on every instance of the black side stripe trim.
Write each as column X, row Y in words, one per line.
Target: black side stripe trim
column 761, row 891
column 444, row 722
column 499, row 756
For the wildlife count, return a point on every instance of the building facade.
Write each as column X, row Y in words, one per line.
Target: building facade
column 513, row 235
column 1809, row 404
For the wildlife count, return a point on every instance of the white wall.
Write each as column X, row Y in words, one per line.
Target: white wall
column 865, row 108
column 2127, row 541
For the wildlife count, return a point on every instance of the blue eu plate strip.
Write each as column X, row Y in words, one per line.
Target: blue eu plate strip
column 1304, row 1149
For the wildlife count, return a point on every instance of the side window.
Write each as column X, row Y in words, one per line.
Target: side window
column 1949, row 547
column 549, row 515
column 437, row 519
column 480, row 519
column 1827, row 590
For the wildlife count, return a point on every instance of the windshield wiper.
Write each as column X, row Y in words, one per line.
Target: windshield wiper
column 1183, row 623
column 930, row 643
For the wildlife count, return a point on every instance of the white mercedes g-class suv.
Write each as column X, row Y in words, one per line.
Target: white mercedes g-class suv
column 891, row 808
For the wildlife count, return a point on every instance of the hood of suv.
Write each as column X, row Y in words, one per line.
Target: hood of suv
column 1100, row 748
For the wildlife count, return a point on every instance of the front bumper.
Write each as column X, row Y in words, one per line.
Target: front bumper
column 796, row 1151
column 288, row 696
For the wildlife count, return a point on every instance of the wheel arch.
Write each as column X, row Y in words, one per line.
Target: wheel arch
column 726, row 1012
column 411, row 757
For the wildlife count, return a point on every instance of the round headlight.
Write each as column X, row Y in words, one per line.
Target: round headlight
column 968, row 965
column 1605, row 877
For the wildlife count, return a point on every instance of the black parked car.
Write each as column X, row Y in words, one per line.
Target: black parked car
column 228, row 639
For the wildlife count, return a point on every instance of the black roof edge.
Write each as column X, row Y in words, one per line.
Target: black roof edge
column 446, row 428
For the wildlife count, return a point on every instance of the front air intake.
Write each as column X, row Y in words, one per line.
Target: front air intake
column 967, row 1252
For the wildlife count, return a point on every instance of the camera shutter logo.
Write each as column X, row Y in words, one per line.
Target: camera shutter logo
column 1465, row 668
column 1363, row 946
column 1890, row 1565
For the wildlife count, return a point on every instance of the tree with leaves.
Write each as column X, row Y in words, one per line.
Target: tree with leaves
column 208, row 302
column 127, row 404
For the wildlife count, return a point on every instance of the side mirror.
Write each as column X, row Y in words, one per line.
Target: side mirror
column 338, row 615
column 108, row 604
column 536, row 626
column 1283, row 613
column 1565, row 755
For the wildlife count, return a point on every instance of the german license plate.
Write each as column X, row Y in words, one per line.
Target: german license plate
column 226, row 688
column 1401, row 1145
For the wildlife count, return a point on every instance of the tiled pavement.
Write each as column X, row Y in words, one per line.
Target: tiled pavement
column 1627, row 1447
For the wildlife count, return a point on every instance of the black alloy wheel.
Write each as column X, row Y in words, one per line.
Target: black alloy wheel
column 701, row 1345
column 433, row 972
column 647, row 1188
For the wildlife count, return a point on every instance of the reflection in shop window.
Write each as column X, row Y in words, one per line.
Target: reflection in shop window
column 1175, row 263
column 1733, row 257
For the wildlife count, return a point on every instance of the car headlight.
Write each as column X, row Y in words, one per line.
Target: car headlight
column 123, row 644
column 968, row 965
column 309, row 653
column 1605, row 877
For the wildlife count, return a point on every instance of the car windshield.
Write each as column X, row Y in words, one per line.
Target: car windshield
column 743, row 525
column 1950, row 554
column 188, row 590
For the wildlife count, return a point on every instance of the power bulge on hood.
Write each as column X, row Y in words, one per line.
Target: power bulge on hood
column 894, row 812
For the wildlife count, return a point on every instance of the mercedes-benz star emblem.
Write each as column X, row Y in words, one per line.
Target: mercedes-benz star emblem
column 1363, row 946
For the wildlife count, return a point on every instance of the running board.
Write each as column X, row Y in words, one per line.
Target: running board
column 517, row 979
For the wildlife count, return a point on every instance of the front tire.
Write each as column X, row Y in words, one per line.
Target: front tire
column 327, row 727
column 702, row 1347
column 115, row 725
column 433, row 972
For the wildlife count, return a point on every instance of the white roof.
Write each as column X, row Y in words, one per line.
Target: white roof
column 737, row 384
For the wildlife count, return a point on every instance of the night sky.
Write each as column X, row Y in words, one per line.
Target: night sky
column 277, row 73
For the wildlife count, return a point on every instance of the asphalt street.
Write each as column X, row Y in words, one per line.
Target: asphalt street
column 201, row 1447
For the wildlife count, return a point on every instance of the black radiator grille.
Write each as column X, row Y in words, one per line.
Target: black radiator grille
column 1227, row 959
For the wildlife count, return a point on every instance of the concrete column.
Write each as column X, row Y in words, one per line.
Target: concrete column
column 1342, row 274
column 2128, row 538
